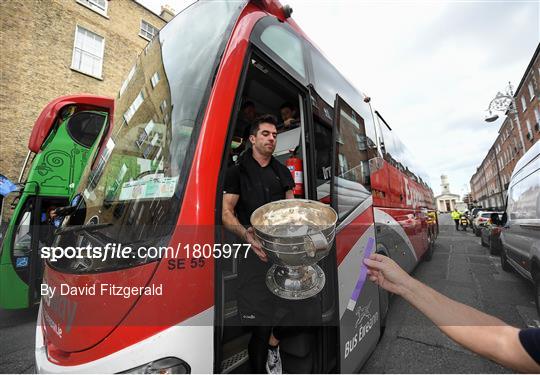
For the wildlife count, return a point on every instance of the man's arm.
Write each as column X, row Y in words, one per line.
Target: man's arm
column 473, row 329
column 229, row 218
column 230, row 221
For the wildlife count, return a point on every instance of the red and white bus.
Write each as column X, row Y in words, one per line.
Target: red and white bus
column 158, row 181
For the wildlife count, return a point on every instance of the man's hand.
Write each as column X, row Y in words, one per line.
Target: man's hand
column 255, row 244
column 386, row 273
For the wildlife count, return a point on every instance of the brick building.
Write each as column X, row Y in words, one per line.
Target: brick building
column 58, row 47
column 518, row 132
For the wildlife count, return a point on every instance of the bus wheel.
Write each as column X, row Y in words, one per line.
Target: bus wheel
column 384, row 296
column 384, row 305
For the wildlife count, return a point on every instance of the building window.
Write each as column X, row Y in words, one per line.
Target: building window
column 529, row 128
column 163, row 106
column 531, row 90
column 147, row 31
column 537, row 116
column 155, row 79
column 361, row 141
column 127, row 80
column 99, row 6
column 88, row 52
column 343, row 165
column 134, row 106
column 523, row 103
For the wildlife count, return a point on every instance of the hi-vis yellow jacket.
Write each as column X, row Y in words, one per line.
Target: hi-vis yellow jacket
column 455, row 215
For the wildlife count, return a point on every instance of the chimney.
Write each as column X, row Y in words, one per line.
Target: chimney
column 167, row 13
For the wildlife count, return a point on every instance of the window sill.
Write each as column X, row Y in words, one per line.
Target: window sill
column 86, row 74
column 98, row 11
column 145, row 38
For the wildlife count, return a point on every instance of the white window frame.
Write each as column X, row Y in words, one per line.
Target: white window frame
column 141, row 30
column 343, row 164
column 154, row 80
column 91, row 4
column 529, row 128
column 127, row 80
column 523, row 103
column 537, row 115
column 130, row 112
column 531, row 91
column 73, row 67
column 163, row 106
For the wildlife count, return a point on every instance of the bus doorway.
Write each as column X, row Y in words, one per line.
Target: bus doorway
column 304, row 348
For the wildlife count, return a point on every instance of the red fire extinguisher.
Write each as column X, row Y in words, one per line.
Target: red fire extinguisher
column 295, row 165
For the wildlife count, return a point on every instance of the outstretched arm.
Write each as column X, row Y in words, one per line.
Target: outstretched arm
column 479, row 332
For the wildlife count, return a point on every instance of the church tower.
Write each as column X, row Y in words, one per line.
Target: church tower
column 445, row 185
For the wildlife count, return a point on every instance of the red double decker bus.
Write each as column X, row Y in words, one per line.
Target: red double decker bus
column 158, row 182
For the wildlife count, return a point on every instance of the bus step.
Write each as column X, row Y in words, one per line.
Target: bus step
column 234, row 361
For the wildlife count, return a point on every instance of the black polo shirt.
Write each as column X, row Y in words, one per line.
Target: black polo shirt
column 256, row 186
column 530, row 339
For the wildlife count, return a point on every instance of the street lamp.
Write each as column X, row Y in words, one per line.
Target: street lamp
column 503, row 103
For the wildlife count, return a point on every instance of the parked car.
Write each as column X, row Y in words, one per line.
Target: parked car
column 491, row 232
column 475, row 211
column 481, row 220
column 520, row 237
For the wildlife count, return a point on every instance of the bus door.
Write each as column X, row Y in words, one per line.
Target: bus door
column 268, row 89
column 350, row 191
column 34, row 228
column 21, row 238
column 65, row 137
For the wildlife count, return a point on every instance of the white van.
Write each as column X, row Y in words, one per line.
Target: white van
column 521, row 233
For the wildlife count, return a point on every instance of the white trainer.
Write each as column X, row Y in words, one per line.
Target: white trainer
column 273, row 362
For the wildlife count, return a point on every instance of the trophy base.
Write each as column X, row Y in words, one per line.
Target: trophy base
column 295, row 283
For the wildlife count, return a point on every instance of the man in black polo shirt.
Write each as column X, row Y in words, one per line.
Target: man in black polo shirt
column 255, row 180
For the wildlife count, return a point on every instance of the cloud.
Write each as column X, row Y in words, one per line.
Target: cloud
column 431, row 67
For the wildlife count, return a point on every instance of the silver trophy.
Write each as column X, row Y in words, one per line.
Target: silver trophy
column 295, row 234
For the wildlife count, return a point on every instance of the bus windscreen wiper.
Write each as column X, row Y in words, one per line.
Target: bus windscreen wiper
column 85, row 227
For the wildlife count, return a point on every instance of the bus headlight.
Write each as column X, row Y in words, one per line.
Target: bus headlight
column 168, row 365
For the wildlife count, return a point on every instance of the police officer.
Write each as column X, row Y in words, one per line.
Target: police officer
column 455, row 216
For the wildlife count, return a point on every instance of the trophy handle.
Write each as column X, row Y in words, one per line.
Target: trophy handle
column 315, row 242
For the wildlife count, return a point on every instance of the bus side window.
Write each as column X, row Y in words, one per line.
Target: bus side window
column 22, row 244
column 352, row 182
